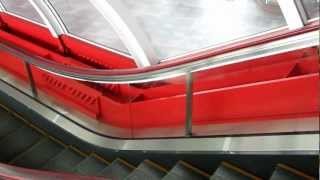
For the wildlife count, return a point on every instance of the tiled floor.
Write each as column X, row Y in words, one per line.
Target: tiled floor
column 174, row 27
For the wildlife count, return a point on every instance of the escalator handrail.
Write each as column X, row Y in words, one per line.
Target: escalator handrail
column 129, row 76
column 12, row 172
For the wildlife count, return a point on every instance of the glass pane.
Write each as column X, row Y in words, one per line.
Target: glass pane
column 312, row 8
column 22, row 8
column 159, row 108
column 179, row 26
column 84, row 21
column 275, row 94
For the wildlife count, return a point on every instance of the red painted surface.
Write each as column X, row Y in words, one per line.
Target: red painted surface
column 30, row 31
column 96, row 55
column 276, row 86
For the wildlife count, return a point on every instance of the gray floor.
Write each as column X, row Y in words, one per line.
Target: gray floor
column 174, row 27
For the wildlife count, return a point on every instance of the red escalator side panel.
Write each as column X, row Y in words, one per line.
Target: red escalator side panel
column 297, row 95
column 241, row 73
column 114, row 113
column 290, row 96
column 97, row 55
column 69, row 92
column 31, row 31
column 13, row 64
column 163, row 112
column 285, row 84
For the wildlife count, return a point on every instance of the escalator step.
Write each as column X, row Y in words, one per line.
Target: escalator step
column 65, row 161
column 5, row 116
column 147, row 170
column 185, row 171
column 17, row 142
column 230, row 172
column 38, row 155
column 8, row 125
column 90, row 166
column 117, row 170
column 284, row 172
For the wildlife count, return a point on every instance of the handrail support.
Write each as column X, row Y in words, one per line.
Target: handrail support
column 189, row 103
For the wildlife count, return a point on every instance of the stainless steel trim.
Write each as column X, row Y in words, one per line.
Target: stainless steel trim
column 31, row 80
column 309, row 39
column 128, row 30
column 50, row 17
column 272, row 144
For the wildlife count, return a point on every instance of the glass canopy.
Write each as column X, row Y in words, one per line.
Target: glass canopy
column 171, row 28
column 180, row 26
column 82, row 20
column 312, row 8
column 23, row 9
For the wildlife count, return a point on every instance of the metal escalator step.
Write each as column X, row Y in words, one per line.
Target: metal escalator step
column 185, row 171
column 284, row 172
column 36, row 156
column 65, row 161
column 5, row 115
column 147, row 170
column 117, row 170
column 230, row 172
column 90, row 166
column 16, row 142
column 8, row 125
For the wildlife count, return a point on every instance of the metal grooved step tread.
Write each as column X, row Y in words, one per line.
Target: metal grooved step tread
column 147, row 170
column 16, row 142
column 185, row 171
column 90, row 166
column 38, row 155
column 230, row 172
column 284, row 172
column 8, row 124
column 64, row 161
column 117, row 170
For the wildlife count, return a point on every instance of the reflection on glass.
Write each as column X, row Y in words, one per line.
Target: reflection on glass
column 22, row 8
column 179, row 26
column 312, row 8
column 83, row 20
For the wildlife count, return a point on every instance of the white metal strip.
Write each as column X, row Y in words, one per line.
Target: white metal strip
column 2, row 8
column 50, row 17
column 291, row 13
column 125, row 25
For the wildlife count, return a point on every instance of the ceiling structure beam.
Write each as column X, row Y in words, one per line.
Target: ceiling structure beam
column 293, row 12
column 50, row 17
column 128, row 30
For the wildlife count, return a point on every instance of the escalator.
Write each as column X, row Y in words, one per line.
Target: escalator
column 23, row 144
